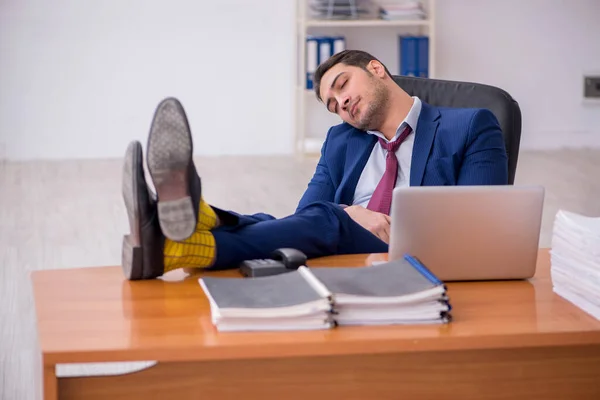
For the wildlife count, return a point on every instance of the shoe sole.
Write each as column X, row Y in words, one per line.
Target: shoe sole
column 131, row 251
column 169, row 159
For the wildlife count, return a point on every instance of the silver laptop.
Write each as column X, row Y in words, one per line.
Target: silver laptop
column 464, row 233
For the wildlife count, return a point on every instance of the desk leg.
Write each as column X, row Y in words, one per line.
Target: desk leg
column 50, row 384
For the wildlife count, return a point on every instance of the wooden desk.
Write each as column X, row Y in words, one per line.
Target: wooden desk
column 508, row 340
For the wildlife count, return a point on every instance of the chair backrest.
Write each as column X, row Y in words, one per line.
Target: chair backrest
column 444, row 93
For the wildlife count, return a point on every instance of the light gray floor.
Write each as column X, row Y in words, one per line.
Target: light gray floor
column 70, row 214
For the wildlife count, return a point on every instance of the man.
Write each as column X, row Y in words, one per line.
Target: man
column 388, row 139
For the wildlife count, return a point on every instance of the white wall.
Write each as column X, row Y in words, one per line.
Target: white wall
column 537, row 50
column 80, row 79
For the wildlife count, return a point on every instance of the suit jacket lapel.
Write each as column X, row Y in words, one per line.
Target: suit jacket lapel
column 359, row 147
column 426, row 129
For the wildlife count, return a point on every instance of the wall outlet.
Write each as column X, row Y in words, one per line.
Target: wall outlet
column 591, row 87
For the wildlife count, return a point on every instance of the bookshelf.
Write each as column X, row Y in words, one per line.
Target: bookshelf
column 366, row 22
column 311, row 118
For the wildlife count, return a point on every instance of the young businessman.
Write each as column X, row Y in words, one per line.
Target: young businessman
column 388, row 139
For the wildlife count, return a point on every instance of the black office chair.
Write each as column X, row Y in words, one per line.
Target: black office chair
column 443, row 93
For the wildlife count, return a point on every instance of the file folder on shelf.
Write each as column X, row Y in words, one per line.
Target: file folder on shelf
column 312, row 60
column 339, row 44
column 318, row 50
column 414, row 56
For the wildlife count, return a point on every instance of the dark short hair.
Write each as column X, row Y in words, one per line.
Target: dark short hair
column 355, row 58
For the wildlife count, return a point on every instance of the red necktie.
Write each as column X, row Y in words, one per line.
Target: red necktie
column 381, row 201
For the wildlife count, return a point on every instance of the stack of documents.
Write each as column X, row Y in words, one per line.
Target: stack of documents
column 401, row 9
column 340, row 9
column 575, row 260
column 396, row 292
column 289, row 301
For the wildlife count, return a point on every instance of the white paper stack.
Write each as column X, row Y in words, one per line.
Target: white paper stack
column 575, row 260
column 401, row 9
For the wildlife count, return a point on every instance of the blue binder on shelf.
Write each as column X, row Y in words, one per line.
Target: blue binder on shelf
column 325, row 48
column 339, row 44
column 423, row 57
column 318, row 50
column 414, row 56
column 312, row 60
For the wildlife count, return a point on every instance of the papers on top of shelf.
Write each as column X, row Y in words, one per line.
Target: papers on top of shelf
column 367, row 9
column 401, row 9
column 340, row 9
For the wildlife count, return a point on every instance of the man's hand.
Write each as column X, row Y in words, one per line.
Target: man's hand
column 374, row 222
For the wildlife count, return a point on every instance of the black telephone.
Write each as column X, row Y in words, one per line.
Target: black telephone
column 282, row 260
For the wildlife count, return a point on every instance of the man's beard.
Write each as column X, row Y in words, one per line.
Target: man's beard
column 373, row 115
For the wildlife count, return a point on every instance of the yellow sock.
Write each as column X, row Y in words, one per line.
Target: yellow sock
column 197, row 251
column 207, row 218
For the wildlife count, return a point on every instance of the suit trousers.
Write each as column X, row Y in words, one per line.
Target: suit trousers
column 317, row 229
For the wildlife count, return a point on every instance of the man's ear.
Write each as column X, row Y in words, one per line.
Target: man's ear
column 376, row 68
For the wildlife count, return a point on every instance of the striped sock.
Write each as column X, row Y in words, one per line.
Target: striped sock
column 207, row 218
column 197, row 251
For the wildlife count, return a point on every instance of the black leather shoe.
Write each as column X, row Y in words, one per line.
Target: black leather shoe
column 169, row 156
column 142, row 252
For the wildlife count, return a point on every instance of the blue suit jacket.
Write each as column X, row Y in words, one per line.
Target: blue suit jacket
column 453, row 146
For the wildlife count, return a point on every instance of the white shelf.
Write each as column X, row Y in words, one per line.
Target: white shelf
column 364, row 23
column 304, row 136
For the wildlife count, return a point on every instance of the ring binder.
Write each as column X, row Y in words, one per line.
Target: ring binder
column 397, row 292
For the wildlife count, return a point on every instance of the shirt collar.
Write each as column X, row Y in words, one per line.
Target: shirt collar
column 411, row 120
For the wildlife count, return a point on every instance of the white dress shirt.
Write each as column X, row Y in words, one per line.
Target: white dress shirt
column 375, row 167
